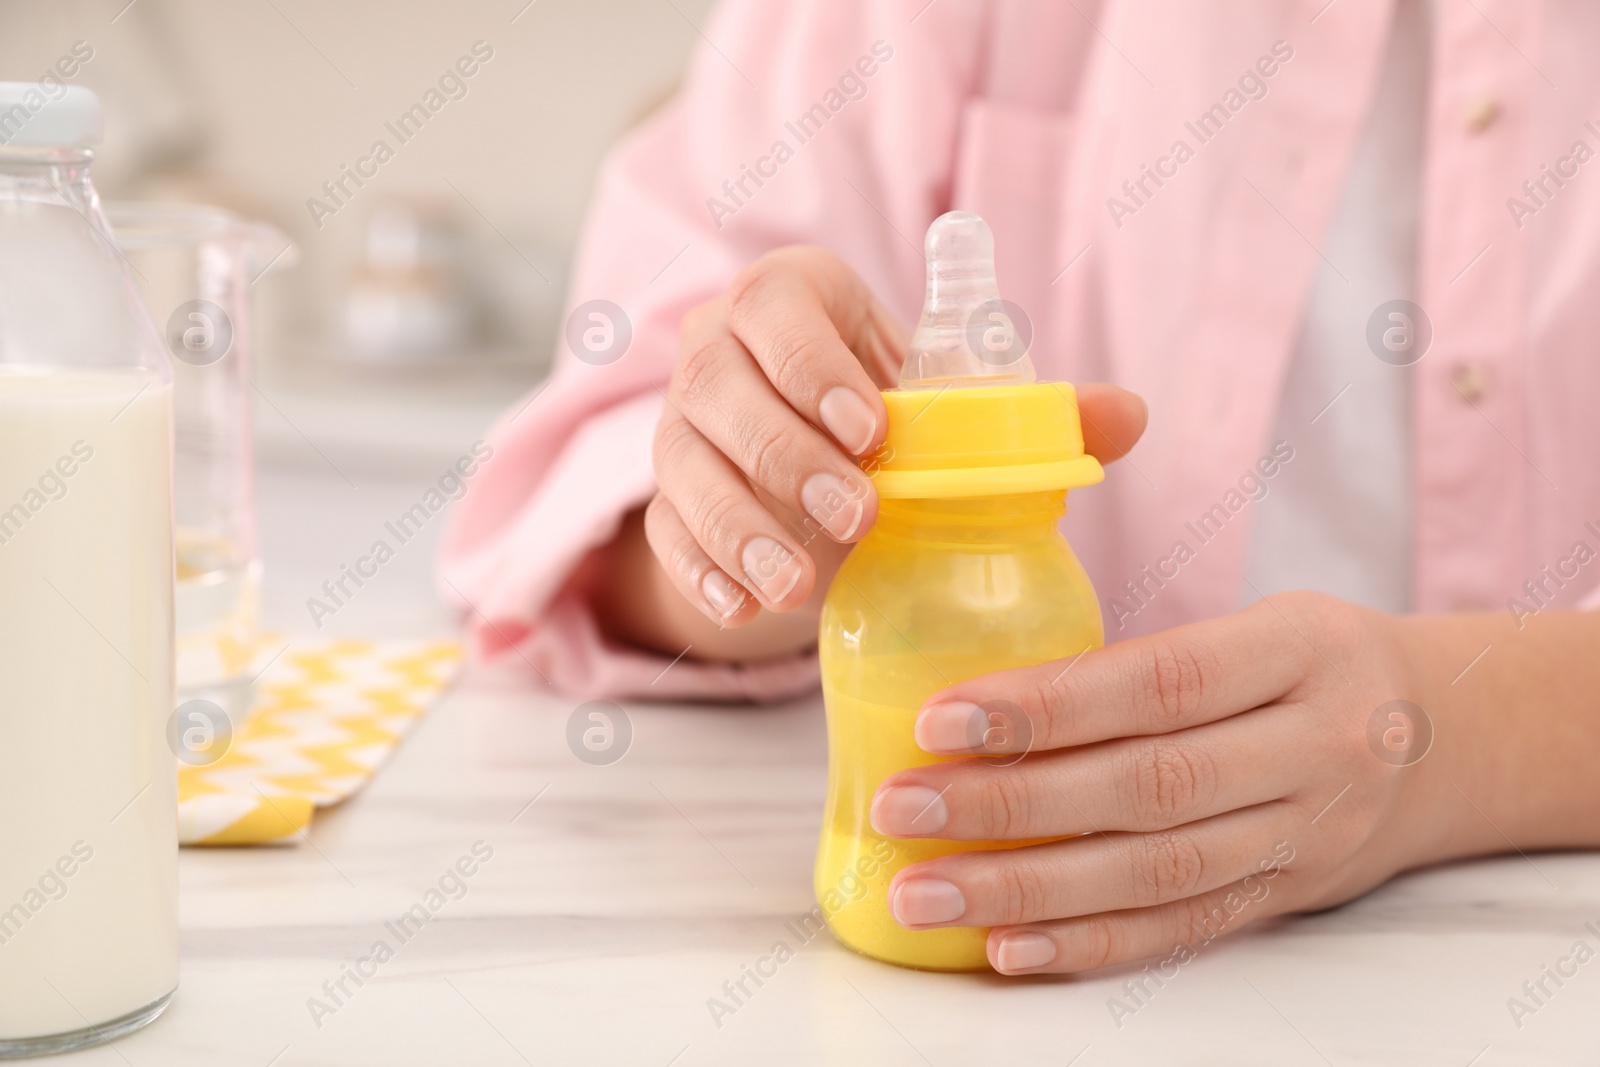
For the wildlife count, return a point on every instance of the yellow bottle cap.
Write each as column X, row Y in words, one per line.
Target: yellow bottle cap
column 969, row 419
column 992, row 441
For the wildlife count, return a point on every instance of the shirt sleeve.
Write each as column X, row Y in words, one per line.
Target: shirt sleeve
column 830, row 122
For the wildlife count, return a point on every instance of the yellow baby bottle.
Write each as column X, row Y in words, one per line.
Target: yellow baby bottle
column 964, row 573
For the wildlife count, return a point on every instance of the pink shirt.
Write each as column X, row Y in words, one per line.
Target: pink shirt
column 1159, row 181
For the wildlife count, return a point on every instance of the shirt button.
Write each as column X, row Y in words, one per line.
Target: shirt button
column 1481, row 113
column 1471, row 382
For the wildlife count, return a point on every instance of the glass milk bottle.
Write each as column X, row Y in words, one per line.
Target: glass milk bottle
column 88, row 783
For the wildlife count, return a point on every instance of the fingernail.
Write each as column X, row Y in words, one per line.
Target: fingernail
column 773, row 568
column 835, row 503
column 722, row 593
column 949, row 727
column 1023, row 952
column 919, row 901
column 848, row 418
column 909, row 811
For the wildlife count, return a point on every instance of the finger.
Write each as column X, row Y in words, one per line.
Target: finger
column 797, row 312
column 1085, row 876
column 1130, row 784
column 1168, row 681
column 723, row 514
column 1175, row 931
column 1113, row 420
column 777, row 450
column 702, row 583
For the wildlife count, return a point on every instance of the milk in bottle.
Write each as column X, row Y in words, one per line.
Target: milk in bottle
column 88, row 839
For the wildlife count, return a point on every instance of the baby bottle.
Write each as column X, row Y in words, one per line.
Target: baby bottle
column 88, row 781
column 964, row 573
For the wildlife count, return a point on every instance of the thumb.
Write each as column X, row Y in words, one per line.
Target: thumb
column 1113, row 419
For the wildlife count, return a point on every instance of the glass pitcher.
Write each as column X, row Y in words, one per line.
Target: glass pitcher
column 197, row 267
column 88, row 782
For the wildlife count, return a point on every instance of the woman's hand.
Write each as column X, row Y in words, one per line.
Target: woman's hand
column 773, row 401
column 1224, row 772
column 773, row 398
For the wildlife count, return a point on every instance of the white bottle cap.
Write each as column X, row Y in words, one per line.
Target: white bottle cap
column 967, row 335
column 41, row 115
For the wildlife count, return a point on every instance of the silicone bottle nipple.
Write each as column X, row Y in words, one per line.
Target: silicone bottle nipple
column 967, row 335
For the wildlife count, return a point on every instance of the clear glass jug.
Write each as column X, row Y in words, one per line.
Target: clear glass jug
column 197, row 267
column 88, row 782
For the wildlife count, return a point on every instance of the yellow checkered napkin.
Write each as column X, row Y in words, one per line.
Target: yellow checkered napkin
column 326, row 716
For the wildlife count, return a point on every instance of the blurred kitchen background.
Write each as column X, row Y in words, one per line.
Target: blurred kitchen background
column 436, row 289
column 392, row 334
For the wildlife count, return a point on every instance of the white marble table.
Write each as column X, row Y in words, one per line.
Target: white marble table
column 620, row 898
